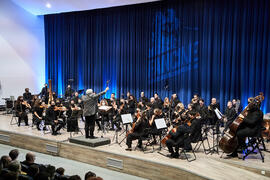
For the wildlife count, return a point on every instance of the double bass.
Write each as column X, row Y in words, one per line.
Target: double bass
column 228, row 143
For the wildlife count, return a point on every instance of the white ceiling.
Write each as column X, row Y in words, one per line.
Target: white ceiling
column 38, row 7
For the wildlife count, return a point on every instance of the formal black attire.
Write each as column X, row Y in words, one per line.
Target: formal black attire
column 36, row 119
column 137, row 133
column 21, row 113
column 179, row 139
column 44, row 95
column 231, row 115
column 27, row 96
column 51, row 116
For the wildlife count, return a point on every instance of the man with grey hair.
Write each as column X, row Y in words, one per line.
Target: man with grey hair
column 90, row 109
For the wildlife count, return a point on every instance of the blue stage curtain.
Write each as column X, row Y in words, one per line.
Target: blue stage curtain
column 214, row 48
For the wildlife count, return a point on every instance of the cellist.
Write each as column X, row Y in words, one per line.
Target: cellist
column 251, row 125
column 178, row 140
column 137, row 129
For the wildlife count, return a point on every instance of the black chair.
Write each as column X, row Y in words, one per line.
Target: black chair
column 14, row 117
column 253, row 144
column 147, row 136
column 184, row 152
column 204, row 137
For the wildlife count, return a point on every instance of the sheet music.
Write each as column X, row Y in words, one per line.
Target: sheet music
column 218, row 113
column 105, row 108
column 126, row 118
column 160, row 123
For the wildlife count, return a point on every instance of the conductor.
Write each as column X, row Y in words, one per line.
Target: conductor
column 90, row 101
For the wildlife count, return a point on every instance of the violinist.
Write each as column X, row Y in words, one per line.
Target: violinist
column 61, row 110
column 20, row 108
column 116, row 117
column 72, row 122
column 154, row 131
column 38, row 110
column 51, row 118
column 137, row 130
column 251, row 125
column 166, row 108
column 177, row 114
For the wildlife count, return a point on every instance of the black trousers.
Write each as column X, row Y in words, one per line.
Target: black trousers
column 89, row 125
column 170, row 143
column 21, row 117
column 133, row 136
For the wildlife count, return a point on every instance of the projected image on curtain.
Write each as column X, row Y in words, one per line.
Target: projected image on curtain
column 175, row 57
column 165, row 47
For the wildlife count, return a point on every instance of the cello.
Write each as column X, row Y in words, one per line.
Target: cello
column 228, row 143
column 188, row 122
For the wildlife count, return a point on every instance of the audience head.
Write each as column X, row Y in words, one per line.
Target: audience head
column 5, row 161
column 13, row 154
column 60, row 171
column 89, row 175
column 30, row 157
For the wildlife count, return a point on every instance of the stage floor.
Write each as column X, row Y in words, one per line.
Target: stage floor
column 206, row 166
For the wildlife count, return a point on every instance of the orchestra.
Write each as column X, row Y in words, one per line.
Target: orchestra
column 184, row 124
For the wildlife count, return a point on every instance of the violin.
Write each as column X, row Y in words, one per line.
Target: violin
column 63, row 108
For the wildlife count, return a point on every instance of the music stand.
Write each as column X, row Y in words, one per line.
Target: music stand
column 126, row 119
column 160, row 125
column 103, row 110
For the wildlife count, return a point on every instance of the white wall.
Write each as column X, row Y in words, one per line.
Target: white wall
column 22, row 50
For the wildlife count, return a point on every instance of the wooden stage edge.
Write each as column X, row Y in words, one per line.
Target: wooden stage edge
column 110, row 160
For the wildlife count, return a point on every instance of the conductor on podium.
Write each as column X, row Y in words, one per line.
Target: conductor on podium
column 90, row 101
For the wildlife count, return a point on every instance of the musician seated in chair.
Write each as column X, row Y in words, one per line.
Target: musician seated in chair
column 38, row 110
column 251, row 125
column 137, row 129
column 51, row 118
column 154, row 131
column 230, row 115
column 179, row 138
column 20, row 108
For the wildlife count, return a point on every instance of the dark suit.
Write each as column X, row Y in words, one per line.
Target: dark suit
column 89, row 111
column 178, row 139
